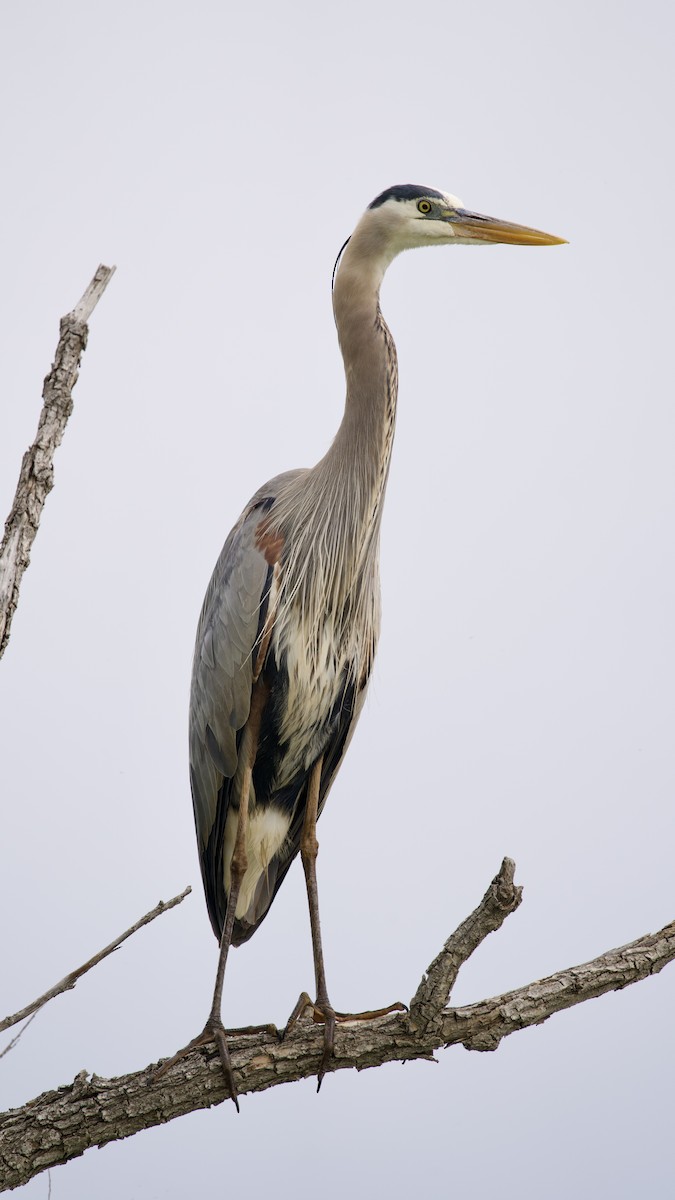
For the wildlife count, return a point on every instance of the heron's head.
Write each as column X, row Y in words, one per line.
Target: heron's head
column 408, row 216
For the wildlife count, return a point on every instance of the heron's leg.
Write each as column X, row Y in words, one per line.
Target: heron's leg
column 322, row 1007
column 214, row 1024
column 309, row 848
column 214, row 1029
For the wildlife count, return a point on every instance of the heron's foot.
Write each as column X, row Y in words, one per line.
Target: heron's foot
column 251, row 1030
column 323, row 1012
column 213, row 1031
column 304, row 1003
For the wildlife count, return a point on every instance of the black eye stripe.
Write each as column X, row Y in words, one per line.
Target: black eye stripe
column 405, row 191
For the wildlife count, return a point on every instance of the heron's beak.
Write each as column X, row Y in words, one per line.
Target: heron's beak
column 477, row 228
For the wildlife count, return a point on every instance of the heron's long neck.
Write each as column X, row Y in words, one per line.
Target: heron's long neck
column 330, row 515
column 361, row 451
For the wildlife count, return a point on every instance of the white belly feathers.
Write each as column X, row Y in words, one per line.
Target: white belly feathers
column 267, row 831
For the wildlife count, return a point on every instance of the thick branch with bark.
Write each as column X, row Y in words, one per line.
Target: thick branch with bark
column 61, row 1125
column 36, row 477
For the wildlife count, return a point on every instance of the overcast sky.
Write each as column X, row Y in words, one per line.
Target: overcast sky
column 522, row 701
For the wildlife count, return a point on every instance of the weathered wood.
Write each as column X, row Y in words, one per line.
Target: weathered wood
column 60, row 1125
column 36, row 477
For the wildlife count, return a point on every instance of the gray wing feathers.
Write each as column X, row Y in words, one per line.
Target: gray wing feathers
column 222, row 669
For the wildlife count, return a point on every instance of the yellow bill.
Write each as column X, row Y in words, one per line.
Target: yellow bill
column 477, row 228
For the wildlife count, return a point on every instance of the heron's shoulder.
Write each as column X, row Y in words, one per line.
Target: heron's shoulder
column 275, row 489
column 242, row 551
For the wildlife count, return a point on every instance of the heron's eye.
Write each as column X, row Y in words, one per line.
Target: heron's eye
column 423, row 206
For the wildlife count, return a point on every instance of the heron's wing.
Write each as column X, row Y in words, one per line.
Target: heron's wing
column 294, row 798
column 231, row 618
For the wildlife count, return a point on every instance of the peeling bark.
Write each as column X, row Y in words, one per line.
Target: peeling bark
column 36, row 477
column 60, row 1125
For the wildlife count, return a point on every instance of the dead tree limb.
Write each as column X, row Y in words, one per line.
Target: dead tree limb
column 17, row 1036
column 36, row 477
column 61, row 1125
column 71, row 979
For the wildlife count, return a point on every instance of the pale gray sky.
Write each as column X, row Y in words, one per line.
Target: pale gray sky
column 523, row 697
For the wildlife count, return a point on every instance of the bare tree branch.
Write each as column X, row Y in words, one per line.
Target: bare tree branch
column 36, row 477
column 70, row 980
column 17, row 1036
column 482, row 1026
column 61, row 1125
column 501, row 898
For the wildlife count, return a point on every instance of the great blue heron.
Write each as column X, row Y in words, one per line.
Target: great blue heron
column 290, row 622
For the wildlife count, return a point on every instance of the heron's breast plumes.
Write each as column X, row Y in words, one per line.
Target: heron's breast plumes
column 317, row 670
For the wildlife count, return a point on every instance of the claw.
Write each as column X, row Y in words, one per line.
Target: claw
column 303, row 1002
column 329, row 1018
column 224, row 1052
column 213, row 1031
column 323, row 1012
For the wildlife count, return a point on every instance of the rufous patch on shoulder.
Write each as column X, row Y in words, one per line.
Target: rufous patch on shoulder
column 269, row 542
